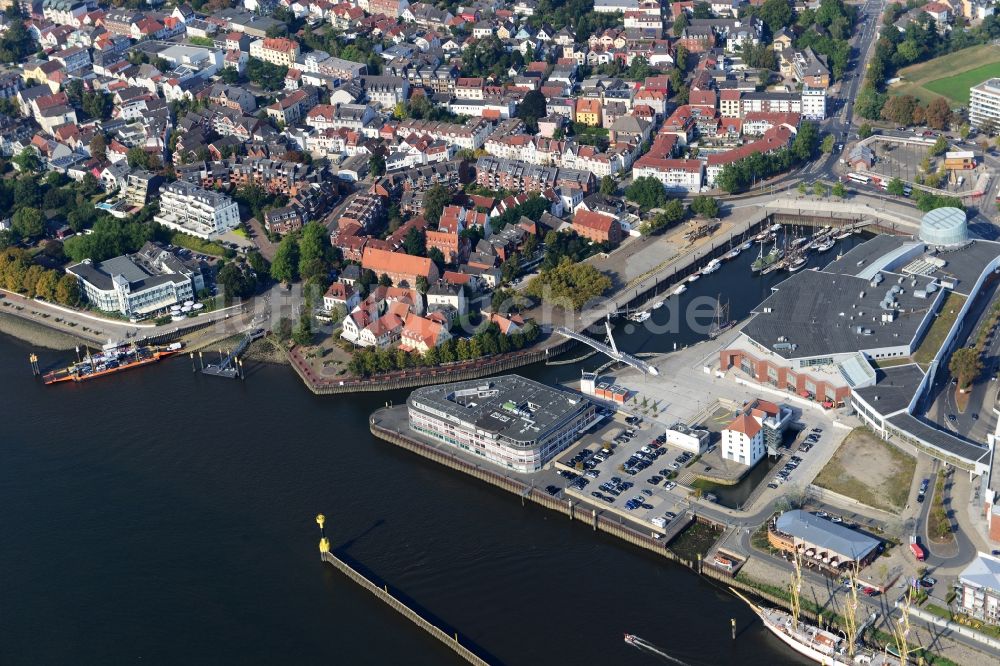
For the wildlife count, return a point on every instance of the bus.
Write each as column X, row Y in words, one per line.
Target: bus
column 858, row 178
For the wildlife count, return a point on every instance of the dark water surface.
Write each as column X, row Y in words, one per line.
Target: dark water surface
column 167, row 517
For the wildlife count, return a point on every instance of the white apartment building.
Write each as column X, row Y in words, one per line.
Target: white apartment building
column 979, row 584
column 984, row 102
column 813, row 103
column 196, row 211
column 150, row 280
column 677, row 175
column 746, row 439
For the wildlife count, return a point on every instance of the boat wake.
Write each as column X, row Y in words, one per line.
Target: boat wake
column 649, row 648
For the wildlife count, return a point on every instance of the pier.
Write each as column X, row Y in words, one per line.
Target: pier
column 230, row 366
column 452, row 641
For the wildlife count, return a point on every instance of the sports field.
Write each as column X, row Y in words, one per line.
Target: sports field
column 950, row 76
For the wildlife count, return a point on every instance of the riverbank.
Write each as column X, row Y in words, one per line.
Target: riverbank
column 37, row 335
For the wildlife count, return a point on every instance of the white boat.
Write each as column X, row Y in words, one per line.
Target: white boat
column 775, row 227
column 735, row 252
column 826, row 245
column 814, row 643
column 657, row 305
column 844, row 234
column 679, row 289
column 746, row 246
column 797, row 263
column 694, row 277
column 640, row 316
column 711, row 267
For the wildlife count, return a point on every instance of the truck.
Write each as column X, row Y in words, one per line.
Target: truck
column 917, row 550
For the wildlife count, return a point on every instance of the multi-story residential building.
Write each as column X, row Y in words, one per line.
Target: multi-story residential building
column 402, row 269
column 979, row 589
column 364, row 210
column 810, row 68
column 150, row 280
column 275, row 50
column 386, row 91
column 518, row 176
column 193, row 210
column 139, row 185
column 758, row 426
column 597, row 227
column 677, row 175
column 813, row 103
column 509, row 421
column 984, row 102
column 588, row 112
column 470, row 136
column 770, row 102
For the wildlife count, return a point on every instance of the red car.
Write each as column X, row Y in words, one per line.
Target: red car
column 870, row 591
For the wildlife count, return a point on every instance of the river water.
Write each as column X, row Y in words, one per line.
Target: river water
column 168, row 517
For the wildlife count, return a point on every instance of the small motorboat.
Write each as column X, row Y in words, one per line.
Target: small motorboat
column 746, row 246
column 711, row 267
column 680, row 289
column 694, row 277
column 735, row 252
column 797, row 263
column 657, row 305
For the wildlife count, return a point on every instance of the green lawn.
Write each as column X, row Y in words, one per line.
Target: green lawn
column 199, row 245
column 947, row 75
column 935, row 336
column 956, row 87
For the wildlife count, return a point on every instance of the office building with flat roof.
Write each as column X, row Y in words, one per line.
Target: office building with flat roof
column 509, row 421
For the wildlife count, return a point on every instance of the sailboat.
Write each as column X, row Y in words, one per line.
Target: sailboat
column 722, row 323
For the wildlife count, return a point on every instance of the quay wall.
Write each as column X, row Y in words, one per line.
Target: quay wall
column 575, row 511
column 383, row 594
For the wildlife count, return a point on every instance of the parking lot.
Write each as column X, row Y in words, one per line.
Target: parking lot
column 624, row 467
column 901, row 160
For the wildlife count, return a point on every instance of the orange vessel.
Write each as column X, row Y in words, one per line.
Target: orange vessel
column 110, row 361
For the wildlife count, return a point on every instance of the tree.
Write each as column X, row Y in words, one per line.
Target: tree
column 864, row 131
column 314, row 252
column 609, row 186
column 647, row 192
column 99, row 147
column 964, row 131
column 681, row 23
column 819, row 189
column 97, row 105
column 376, row 165
column 531, row 108
column 285, row 267
column 868, row 103
column 776, row 14
column 705, row 206
column 806, row 141
column 899, row 109
column 415, row 242
column 828, row 144
column 27, row 160
column 229, row 75
column 303, row 333
column 803, row 188
column 384, row 280
column 422, row 284
column 938, row 113
column 570, row 284
column 28, row 222
column 138, row 157
column 965, row 365
column 895, row 187
column 68, row 290
column 237, row 280
column 435, row 199
column 940, row 146
column 839, row 190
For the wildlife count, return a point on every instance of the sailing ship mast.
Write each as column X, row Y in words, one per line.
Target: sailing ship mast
column 796, row 589
column 851, row 611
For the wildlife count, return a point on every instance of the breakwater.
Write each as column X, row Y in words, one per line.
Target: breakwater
column 452, row 642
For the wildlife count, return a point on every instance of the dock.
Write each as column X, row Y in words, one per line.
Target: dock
column 229, row 366
column 451, row 641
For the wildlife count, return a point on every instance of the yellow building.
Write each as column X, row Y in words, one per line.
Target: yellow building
column 588, row 112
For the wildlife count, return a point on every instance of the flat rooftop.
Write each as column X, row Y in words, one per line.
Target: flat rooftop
column 947, row 442
column 857, row 259
column 517, row 408
column 894, row 388
column 815, row 313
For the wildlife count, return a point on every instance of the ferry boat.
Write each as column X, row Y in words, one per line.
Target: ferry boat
column 679, row 289
column 711, row 267
column 814, row 643
column 114, row 358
